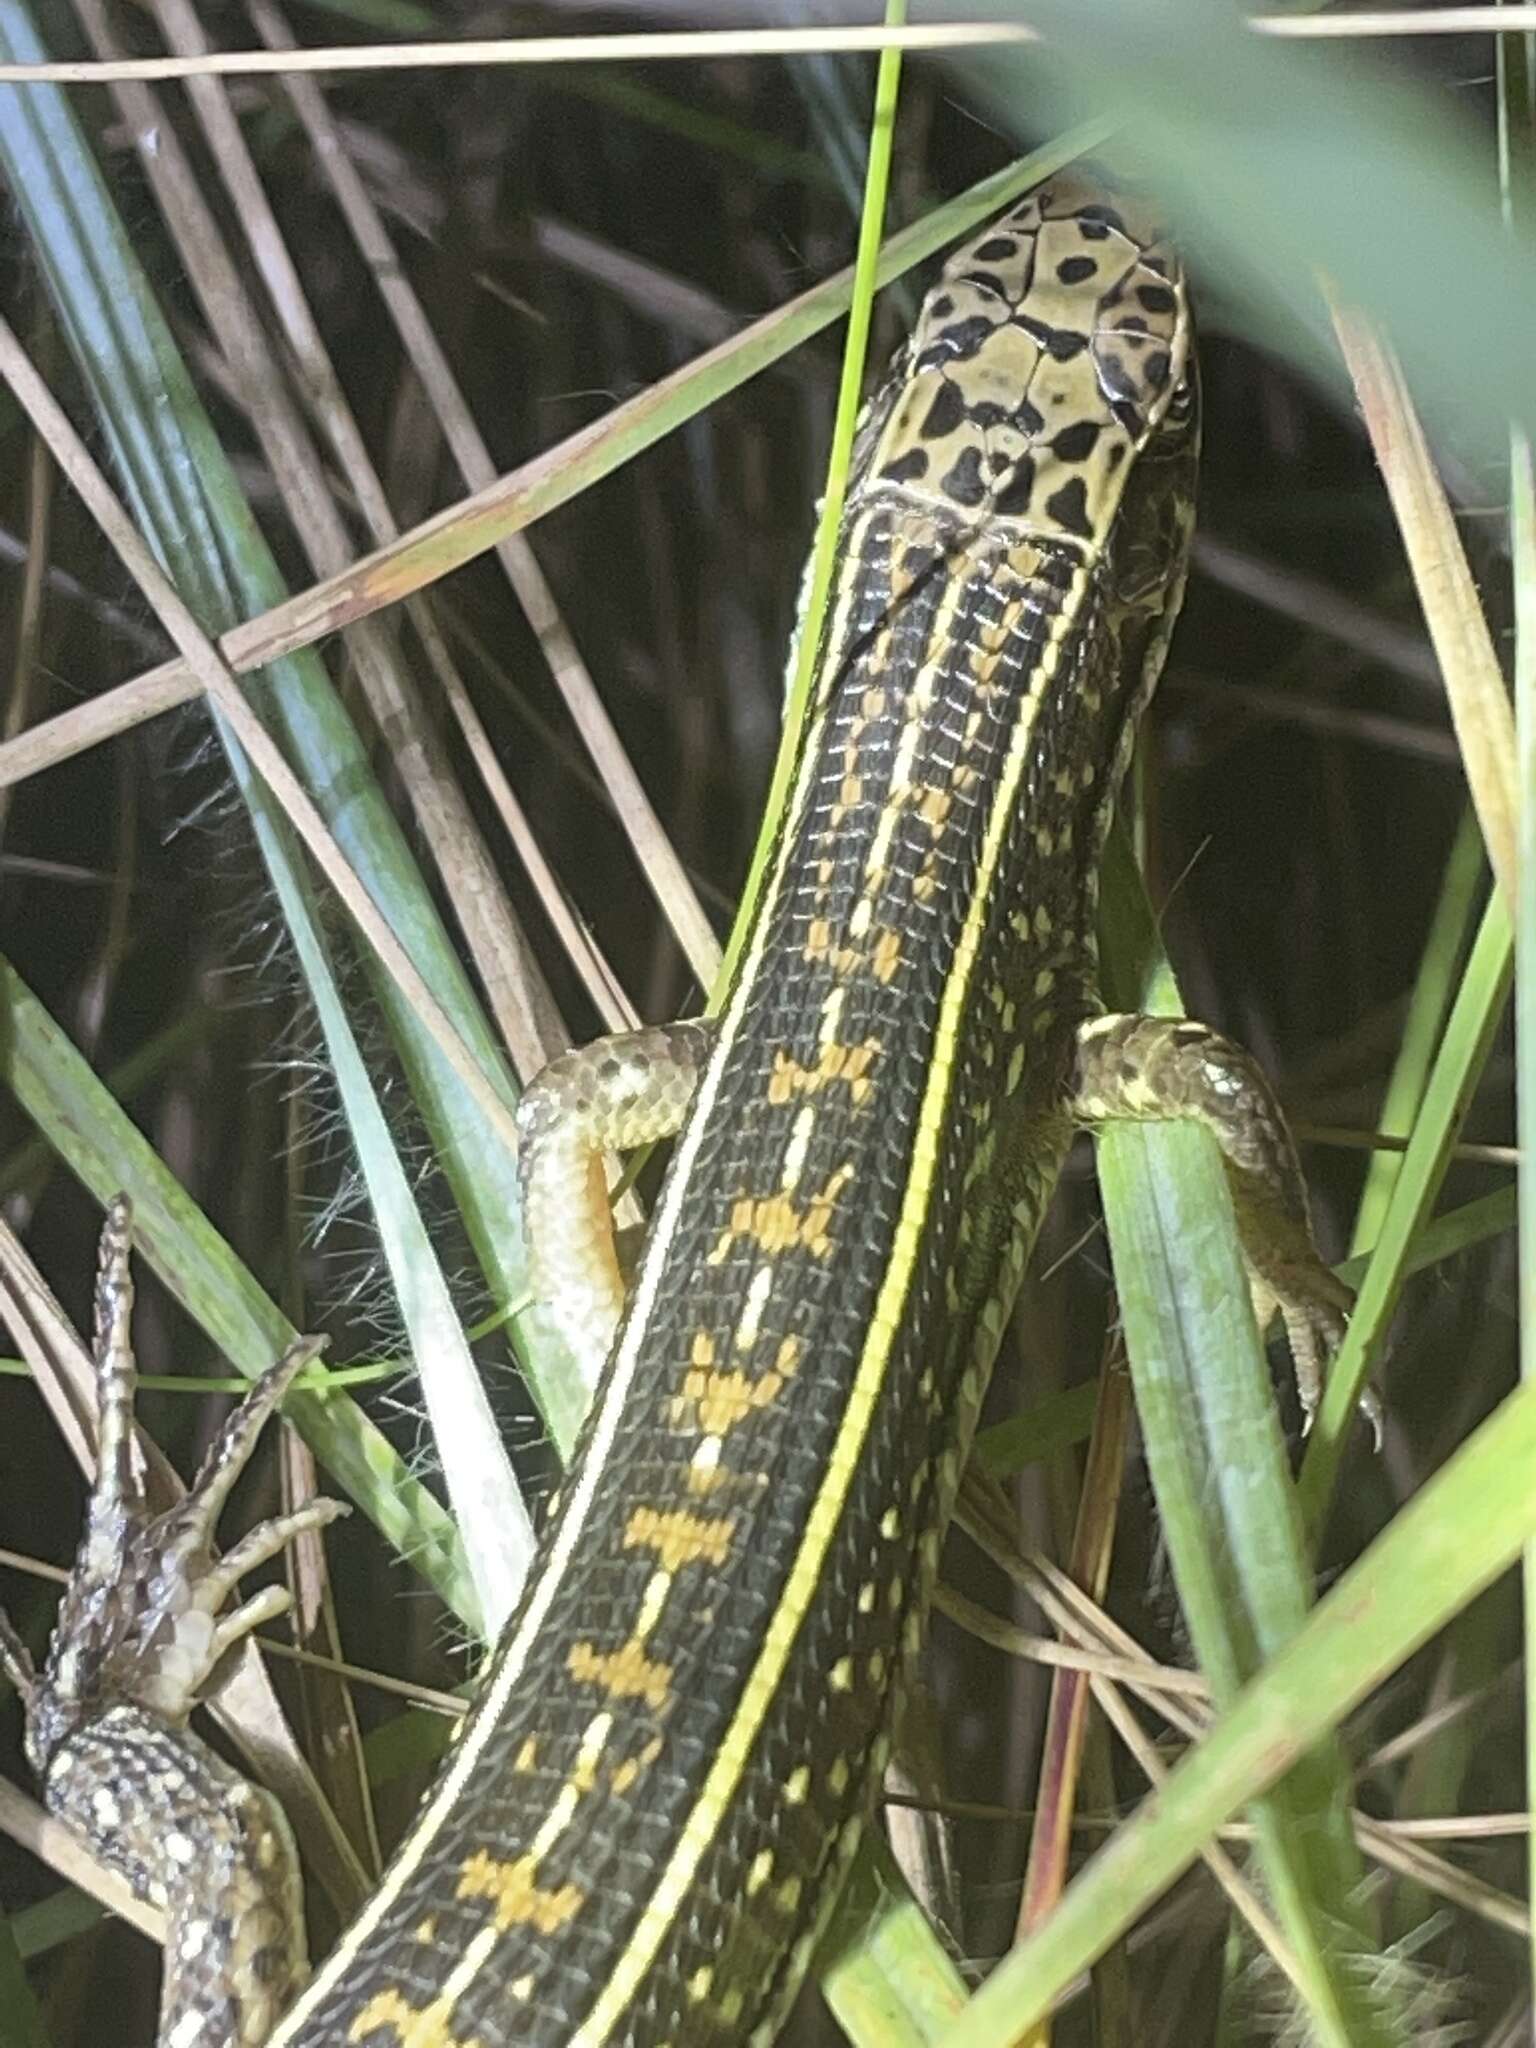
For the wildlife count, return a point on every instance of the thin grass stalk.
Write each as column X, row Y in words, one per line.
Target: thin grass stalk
column 1457, row 1534
column 1517, row 178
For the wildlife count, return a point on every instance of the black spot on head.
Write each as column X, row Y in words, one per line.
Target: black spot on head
column 1069, row 508
column 1076, row 443
column 1029, row 419
column 1017, row 495
column 1132, row 323
column 1157, row 298
column 1060, row 343
column 987, row 281
column 1093, row 230
column 1099, row 212
column 955, row 343
column 1116, row 379
column 1076, row 269
column 997, row 461
column 945, row 414
column 1116, row 455
column 997, row 249
column 964, row 483
column 907, row 468
column 1155, row 369
column 942, row 306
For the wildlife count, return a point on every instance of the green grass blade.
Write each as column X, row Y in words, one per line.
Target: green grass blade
column 1219, row 1471
column 1455, row 1536
column 61, row 1095
column 1434, row 988
column 186, row 500
column 1474, row 1018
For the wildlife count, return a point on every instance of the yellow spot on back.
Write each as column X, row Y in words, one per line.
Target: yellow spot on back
column 416, row 2026
column 624, row 1674
column 838, row 1062
column 716, row 1402
column 626, row 1774
column 679, row 1538
column 774, row 1223
column 515, row 1898
column 935, row 807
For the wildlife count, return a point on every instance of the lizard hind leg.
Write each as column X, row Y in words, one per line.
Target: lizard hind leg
column 139, row 1635
column 1151, row 1069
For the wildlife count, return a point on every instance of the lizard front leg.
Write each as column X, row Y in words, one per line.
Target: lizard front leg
column 1151, row 1069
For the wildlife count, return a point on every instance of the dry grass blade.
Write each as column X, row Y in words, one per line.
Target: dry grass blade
column 449, row 539
column 202, row 658
column 525, row 1010
column 472, row 457
column 1474, row 683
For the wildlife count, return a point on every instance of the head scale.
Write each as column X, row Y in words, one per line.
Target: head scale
column 1054, row 347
